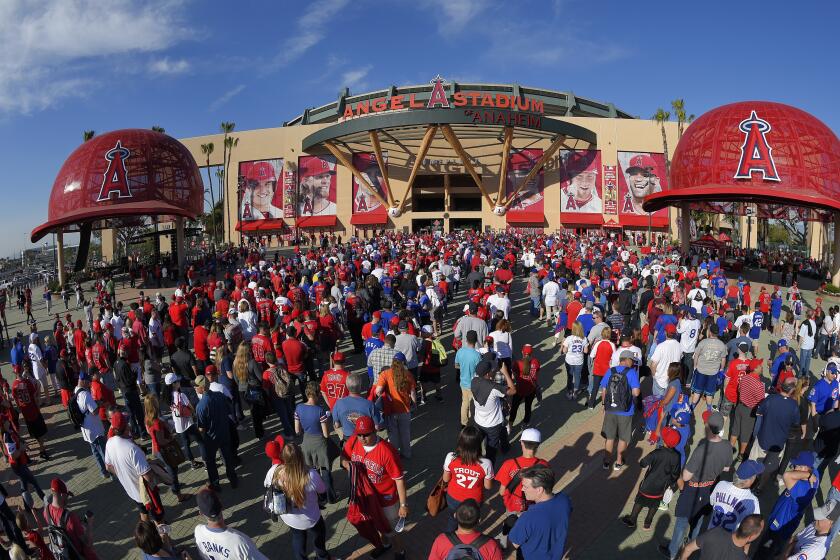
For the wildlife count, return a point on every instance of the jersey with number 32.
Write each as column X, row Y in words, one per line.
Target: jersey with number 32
column 730, row 505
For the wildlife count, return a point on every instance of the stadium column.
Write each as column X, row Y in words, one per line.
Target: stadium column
column 59, row 244
column 835, row 261
column 180, row 248
column 685, row 228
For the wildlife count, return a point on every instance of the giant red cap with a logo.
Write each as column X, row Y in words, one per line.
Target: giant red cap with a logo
column 123, row 175
column 261, row 171
column 314, row 166
column 772, row 155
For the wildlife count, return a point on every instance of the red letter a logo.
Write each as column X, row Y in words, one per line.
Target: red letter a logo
column 438, row 96
column 115, row 182
column 756, row 153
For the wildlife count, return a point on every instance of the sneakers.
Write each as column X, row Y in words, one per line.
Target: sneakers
column 618, row 466
column 629, row 522
column 197, row 464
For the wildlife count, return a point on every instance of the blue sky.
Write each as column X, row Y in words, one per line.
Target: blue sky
column 71, row 65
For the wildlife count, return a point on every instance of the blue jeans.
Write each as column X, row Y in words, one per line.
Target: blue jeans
column 833, row 494
column 319, row 541
column 211, row 448
column 27, row 479
column 97, row 448
column 452, row 504
column 173, row 472
column 574, row 373
column 193, row 434
column 285, row 409
column 656, row 390
column 821, row 347
column 805, row 361
column 680, row 529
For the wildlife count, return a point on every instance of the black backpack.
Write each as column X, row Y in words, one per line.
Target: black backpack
column 77, row 417
column 618, row 397
column 60, row 544
column 463, row 551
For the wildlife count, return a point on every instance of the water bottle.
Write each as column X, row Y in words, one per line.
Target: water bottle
column 400, row 525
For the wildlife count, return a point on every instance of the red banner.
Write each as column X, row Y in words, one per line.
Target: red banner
column 259, row 198
column 580, row 184
column 610, row 190
column 529, row 204
column 363, row 200
column 641, row 174
column 316, row 186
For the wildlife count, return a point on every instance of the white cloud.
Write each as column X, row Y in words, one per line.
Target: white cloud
column 453, row 15
column 549, row 45
column 227, row 96
column 311, row 30
column 166, row 66
column 355, row 78
column 49, row 48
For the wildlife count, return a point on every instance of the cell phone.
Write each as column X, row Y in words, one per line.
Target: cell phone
column 400, row 525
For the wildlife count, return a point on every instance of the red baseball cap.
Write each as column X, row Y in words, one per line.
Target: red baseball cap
column 670, row 436
column 119, row 421
column 527, row 349
column 338, row 356
column 670, row 328
column 364, row 426
column 315, row 166
column 261, row 171
column 273, row 452
column 58, row 487
column 210, row 369
column 641, row 161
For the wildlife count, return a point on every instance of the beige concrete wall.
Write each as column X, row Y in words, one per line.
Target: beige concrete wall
column 613, row 135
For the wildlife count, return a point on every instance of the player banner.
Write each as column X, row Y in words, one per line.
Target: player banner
column 363, row 200
column 641, row 174
column 610, row 190
column 580, row 183
column 259, row 198
column 316, row 186
column 529, row 204
column 289, row 192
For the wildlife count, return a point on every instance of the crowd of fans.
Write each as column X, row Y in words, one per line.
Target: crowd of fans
column 654, row 339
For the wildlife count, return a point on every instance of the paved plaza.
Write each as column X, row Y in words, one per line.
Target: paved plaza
column 572, row 444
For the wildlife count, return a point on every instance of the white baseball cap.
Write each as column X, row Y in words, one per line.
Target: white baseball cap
column 171, row 378
column 531, row 434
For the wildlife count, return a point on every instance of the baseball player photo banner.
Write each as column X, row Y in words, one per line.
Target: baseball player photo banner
column 580, row 184
column 610, row 182
column 640, row 174
column 289, row 193
column 316, row 186
column 259, row 197
column 529, row 205
column 363, row 200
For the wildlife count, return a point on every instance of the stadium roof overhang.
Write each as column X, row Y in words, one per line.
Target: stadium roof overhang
column 480, row 138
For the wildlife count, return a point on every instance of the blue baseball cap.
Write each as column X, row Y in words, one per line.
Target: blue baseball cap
column 83, row 376
column 804, row 459
column 400, row 356
column 749, row 469
column 782, row 342
column 831, row 368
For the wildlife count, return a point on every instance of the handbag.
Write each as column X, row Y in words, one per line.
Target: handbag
column 436, row 502
column 172, row 454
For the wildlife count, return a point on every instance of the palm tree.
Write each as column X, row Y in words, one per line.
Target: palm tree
column 226, row 127
column 159, row 129
column 207, row 150
column 678, row 105
column 661, row 117
column 88, row 134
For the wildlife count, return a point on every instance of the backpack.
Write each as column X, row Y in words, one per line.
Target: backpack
column 77, row 417
column 618, row 397
column 439, row 353
column 282, row 386
column 60, row 544
column 463, row 551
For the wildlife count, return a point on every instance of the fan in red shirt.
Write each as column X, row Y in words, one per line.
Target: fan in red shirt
column 525, row 372
column 79, row 338
column 266, row 309
column 380, row 463
column 466, row 472
column 508, row 478
column 261, row 343
column 334, row 381
column 737, row 367
column 295, row 352
column 467, row 516
column 77, row 530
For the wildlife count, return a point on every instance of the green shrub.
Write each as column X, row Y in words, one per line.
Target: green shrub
column 831, row 289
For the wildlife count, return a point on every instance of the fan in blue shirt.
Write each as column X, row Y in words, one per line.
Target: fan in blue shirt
column 825, row 393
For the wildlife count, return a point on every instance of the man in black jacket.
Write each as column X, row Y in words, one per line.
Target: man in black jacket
column 127, row 381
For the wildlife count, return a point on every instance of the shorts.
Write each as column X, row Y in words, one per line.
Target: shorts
column 617, row 426
column 726, row 406
column 392, row 514
column 704, row 384
column 37, row 427
column 743, row 422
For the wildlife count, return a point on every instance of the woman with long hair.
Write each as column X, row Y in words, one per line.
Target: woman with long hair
column 312, row 421
column 467, row 473
column 301, row 485
column 247, row 320
column 673, row 391
column 573, row 350
column 396, row 386
column 161, row 435
column 248, row 374
column 525, row 372
column 788, row 328
column 503, row 342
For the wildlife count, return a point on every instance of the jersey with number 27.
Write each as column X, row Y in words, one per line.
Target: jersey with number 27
column 467, row 481
column 730, row 505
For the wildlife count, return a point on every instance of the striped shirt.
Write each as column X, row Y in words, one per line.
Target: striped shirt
column 750, row 390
